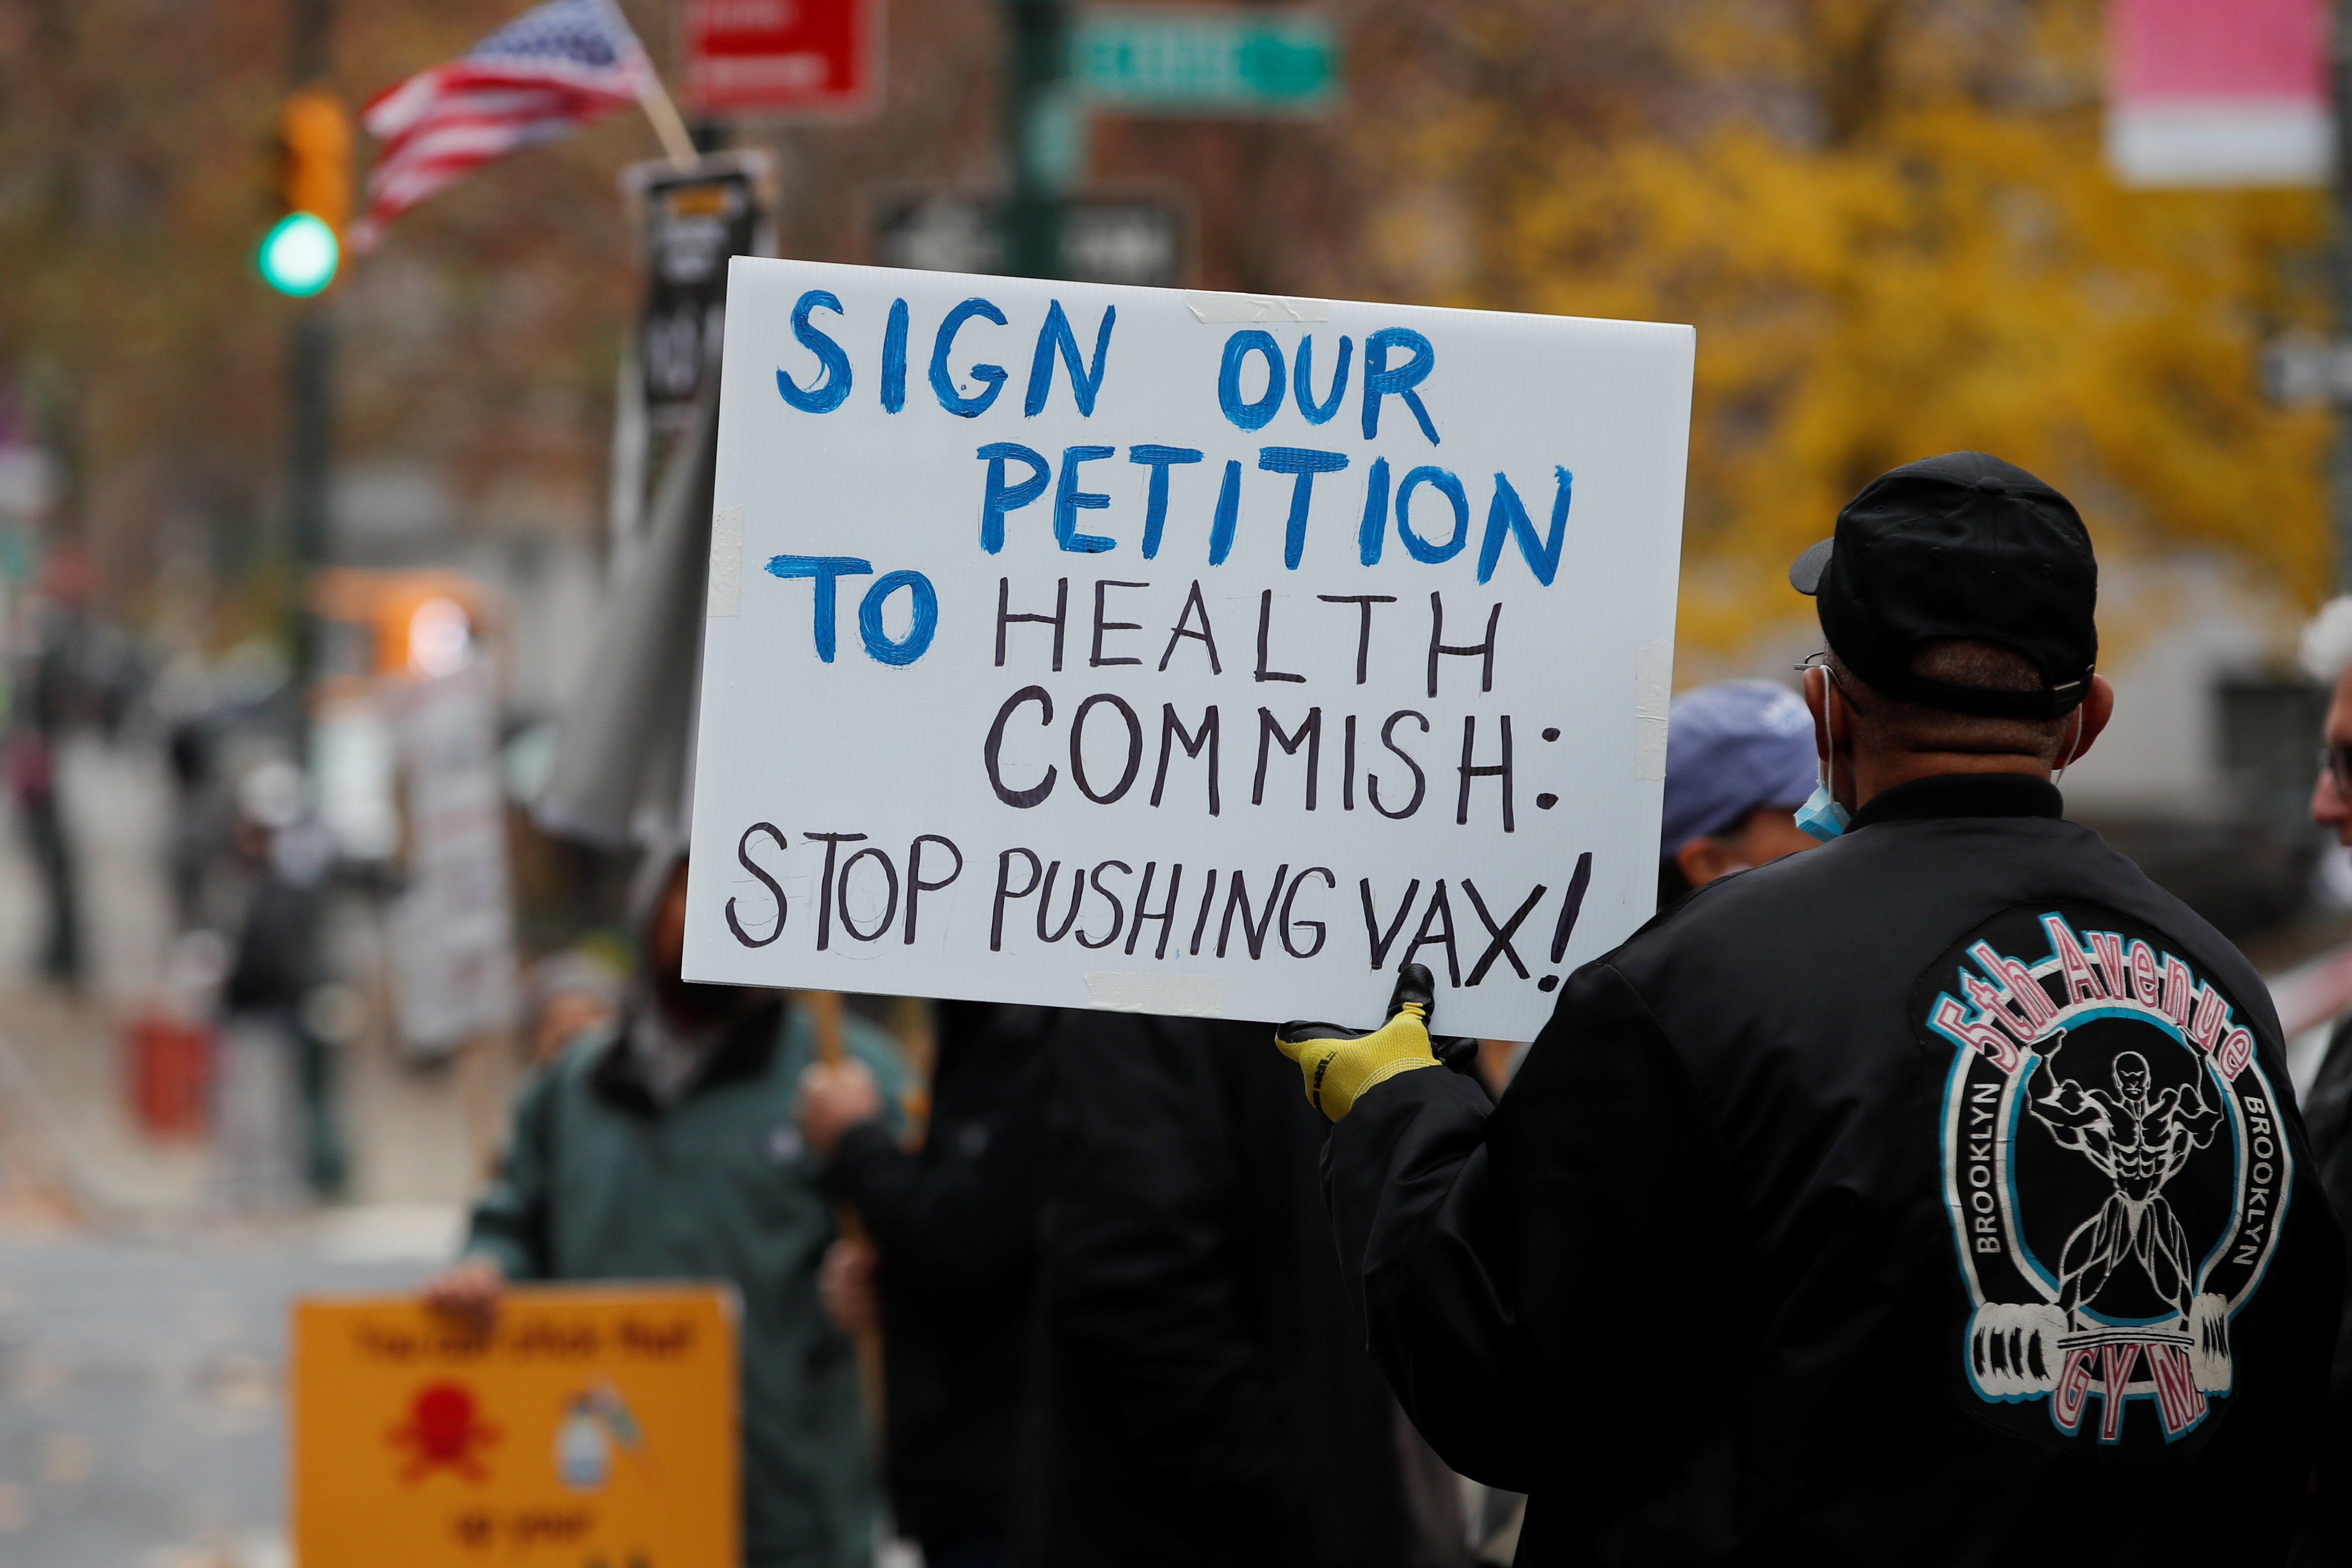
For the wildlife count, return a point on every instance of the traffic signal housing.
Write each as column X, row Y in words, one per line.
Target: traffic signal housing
column 302, row 250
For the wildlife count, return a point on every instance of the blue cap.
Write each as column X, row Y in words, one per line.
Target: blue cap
column 1731, row 747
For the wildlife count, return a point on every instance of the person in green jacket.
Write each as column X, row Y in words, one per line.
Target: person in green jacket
column 664, row 1146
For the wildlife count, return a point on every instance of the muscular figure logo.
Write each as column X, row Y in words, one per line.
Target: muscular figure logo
column 2139, row 1140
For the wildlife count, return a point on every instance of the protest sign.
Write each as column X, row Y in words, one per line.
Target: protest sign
column 1181, row 653
column 595, row 1425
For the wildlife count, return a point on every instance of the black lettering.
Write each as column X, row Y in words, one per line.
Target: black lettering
column 916, row 885
column 1173, row 728
column 1020, row 800
column 1046, row 901
column 1200, row 921
column 743, row 857
column 1420, row 782
column 1096, row 660
column 832, row 842
column 1498, row 937
column 1264, row 625
column 1134, row 748
column 1058, row 621
column 1437, row 644
column 1206, row 637
column 1382, row 941
column 1166, row 915
column 1004, row 891
column 1310, row 731
column 1253, row 931
column 1314, row 925
column 1117, row 910
column 1498, row 770
column 1570, row 906
column 1363, row 604
column 889, row 912
column 1422, row 938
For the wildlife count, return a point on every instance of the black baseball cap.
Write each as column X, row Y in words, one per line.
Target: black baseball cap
column 1962, row 545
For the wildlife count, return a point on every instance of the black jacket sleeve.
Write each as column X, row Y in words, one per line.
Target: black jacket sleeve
column 1548, row 1286
column 1143, row 1293
column 957, row 1219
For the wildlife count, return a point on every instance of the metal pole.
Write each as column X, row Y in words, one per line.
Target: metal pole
column 2341, row 193
column 1037, row 128
column 310, row 380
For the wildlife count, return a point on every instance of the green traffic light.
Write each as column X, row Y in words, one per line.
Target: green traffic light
column 299, row 255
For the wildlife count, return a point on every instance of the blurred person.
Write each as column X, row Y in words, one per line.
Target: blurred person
column 946, row 1267
column 2327, row 655
column 566, row 995
column 1199, row 1394
column 278, row 1092
column 1739, row 761
column 664, row 1146
column 1711, row 1284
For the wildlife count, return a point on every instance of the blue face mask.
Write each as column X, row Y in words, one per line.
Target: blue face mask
column 1820, row 816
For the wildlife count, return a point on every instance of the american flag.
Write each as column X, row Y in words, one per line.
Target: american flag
column 539, row 77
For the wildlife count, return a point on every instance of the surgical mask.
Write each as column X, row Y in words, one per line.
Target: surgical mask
column 1820, row 817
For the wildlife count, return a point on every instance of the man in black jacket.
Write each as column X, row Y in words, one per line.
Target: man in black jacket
column 950, row 1232
column 1938, row 1196
column 1199, row 1398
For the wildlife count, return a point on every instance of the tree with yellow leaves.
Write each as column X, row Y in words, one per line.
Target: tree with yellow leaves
column 1892, row 226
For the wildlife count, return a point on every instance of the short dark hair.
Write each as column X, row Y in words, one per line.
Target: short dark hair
column 1960, row 662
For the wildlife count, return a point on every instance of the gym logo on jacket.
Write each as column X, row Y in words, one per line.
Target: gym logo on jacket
column 2114, row 1171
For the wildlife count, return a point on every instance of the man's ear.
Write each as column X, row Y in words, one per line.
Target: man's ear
column 1705, row 859
column 2096, row 709
column 1817, row 701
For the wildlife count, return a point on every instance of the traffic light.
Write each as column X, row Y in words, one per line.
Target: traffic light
column 300, row 253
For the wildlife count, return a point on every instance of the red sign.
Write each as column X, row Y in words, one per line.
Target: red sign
column 2218, row 92
column 784, row 59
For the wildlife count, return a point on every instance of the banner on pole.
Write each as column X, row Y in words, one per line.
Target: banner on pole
column 1181, row 653
column 783, row 59
column 595, row 1425
column 2219, row 92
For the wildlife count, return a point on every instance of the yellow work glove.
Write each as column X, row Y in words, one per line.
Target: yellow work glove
column 1339, row 1065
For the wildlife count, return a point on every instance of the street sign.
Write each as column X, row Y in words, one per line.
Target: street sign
column 592, row 1424
column 783, row 59
column 2307, row 372
column 2206, row 93
column 695, row 220
column 1255, row 60
column 1143, row 239
column 1181, row 653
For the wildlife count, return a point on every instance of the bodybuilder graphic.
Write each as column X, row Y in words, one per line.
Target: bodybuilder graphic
column 2139, row 1141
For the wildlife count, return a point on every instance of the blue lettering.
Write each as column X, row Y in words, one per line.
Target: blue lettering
column 825, row 571
column 1507, row 515
column 1084, row 384
column 926, row 601
column 1306, row 462
column 1239, row 347
column 1229, row 513
column 1155, row 508
column 1002, row 497
column 1449, row 486
column 1381, row 381
column 1068, row 498
column 1373, row 531
column 828, row 393
column 1303, row 376
column 943, row 385
column 894, row 359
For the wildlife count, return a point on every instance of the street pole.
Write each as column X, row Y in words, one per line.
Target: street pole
column 2340, row 189
column 1039, row 132
column 309, row 382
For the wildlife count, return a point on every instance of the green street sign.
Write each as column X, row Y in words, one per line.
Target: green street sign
column 1224, row 59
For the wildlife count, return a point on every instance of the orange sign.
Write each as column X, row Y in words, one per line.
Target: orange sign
column 594, row 1428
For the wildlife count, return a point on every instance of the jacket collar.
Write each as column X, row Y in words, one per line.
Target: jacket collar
column 743, row 1051
column 1962, row 795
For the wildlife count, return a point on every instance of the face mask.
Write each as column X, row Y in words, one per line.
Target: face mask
column 1821, row 817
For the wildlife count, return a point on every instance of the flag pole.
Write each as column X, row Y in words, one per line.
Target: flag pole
column 655, row 100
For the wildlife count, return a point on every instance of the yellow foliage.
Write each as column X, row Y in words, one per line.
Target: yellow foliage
column 1891, row 223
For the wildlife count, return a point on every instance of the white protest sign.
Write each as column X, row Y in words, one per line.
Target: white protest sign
column 1177, row 652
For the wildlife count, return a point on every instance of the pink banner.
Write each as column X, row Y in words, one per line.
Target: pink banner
column 2218, row 92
